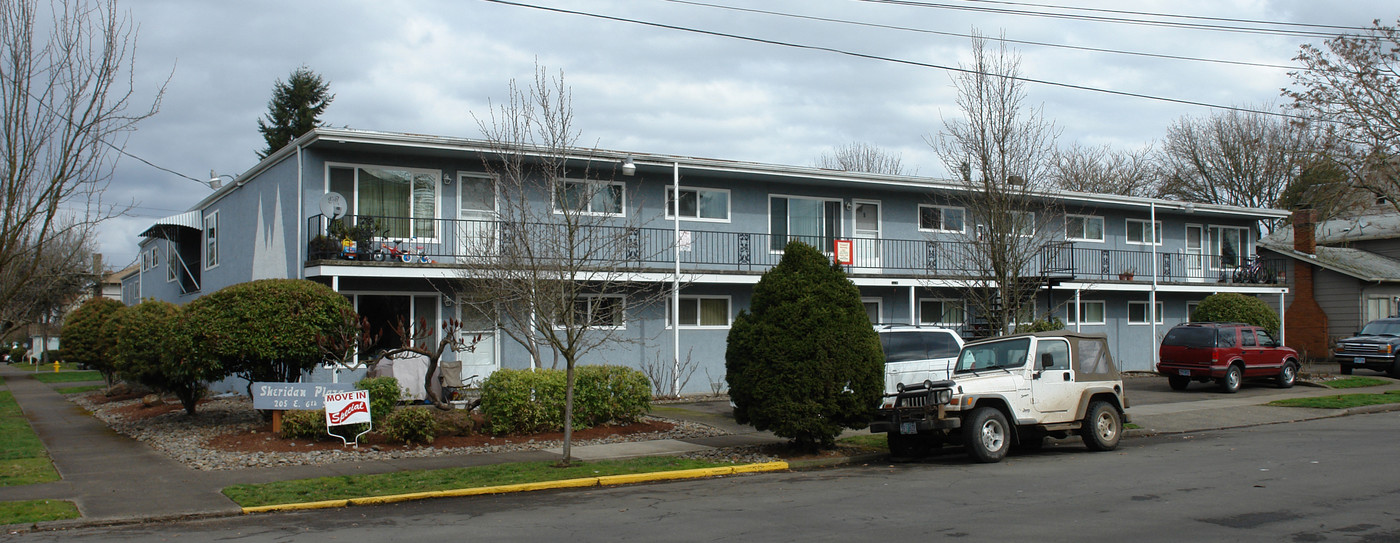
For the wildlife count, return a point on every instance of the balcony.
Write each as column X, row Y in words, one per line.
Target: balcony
column 450, row 242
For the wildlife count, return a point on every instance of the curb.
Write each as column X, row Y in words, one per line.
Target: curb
column 606, row 480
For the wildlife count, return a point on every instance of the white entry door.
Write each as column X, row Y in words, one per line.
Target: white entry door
column 866, row 233
column 1195, row 253
column 476, row 231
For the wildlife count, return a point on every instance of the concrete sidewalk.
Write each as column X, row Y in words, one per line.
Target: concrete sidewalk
column 115, row 479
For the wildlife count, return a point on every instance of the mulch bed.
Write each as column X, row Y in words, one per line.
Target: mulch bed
column 262, row 439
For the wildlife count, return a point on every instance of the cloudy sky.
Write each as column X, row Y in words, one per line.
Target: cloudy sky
column 426, row 66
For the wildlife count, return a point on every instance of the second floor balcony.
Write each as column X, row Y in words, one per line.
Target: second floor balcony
column 456, row 243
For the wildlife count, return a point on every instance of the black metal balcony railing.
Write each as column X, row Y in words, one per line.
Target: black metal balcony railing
column 456, row 241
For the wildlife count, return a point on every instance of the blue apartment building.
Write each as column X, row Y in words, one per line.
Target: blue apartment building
column 909, row 242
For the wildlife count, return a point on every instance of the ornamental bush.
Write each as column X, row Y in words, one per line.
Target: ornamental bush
column 303, row 425
column 523, row 401
column 410, row 425
column 82, row 338
column 384, row 395
column 803, row 360
column 265, row 330
column 148, row 348
column 1236, row 307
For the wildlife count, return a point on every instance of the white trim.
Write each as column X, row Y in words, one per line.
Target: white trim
column 1129, row 240
column 768, row 212
column 1103, row 310
column 728, row 204
column 945, row 301
column 210, row 261
column 879, row 306
column 1218, row 262
column 728, row 312
column 622, row 203
column 1103, row 234
column 355, row 201
column 1131, row 322
column 172, row 270
column 919, row 219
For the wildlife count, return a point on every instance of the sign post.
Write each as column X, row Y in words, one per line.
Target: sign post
column 344, row 408
column 279, row 397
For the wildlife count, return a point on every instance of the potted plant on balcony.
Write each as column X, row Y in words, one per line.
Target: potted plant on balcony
column 1127, row 274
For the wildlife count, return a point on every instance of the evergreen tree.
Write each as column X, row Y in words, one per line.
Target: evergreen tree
column 295, row 108
column 803, row 360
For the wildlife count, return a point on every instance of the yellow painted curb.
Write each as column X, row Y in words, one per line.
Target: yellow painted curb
column 525, row 487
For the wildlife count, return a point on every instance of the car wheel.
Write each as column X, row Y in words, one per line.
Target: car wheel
column 987, row 435
column 1230, row 383
column 1345, row 369
column 1102, row 427
column 1288, row 374
column 1178, row 382
column 1394, row 369
column 902, row 446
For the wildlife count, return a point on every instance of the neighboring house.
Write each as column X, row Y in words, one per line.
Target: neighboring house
column 907, row 236
column 1345, row 272
column 110, row 285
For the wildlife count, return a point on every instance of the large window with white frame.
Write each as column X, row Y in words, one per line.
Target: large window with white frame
column 702, row 312
column 1230, row 244
column 814, row 221
column 211, row 240
column 1091, row 312
column 1137, row 313
column 1083, row 228
column 942, row 311
column 590, row 197
column 699, row 204
column 1139, row 231
column 934, row 218
column 403, row 201
column 600, row 311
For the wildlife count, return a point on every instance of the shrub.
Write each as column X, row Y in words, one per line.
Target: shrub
column 523, row 401
column 82, row 338
column 1236, row 307
column 1043, row 325
column 303, row 425
column 604, row 394
column 803, row 360
column 384, row 395
column 17, row 354
column 410, row 425
column 148, row 348
column 265, row 330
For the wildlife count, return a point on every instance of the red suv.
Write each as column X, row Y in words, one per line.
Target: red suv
column 1226, row 352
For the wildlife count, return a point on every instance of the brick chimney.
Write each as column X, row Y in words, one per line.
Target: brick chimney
column 1306, row 328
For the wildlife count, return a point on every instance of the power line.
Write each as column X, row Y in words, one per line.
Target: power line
column 1171, row 15
column 1004, row 40
column 892, row 60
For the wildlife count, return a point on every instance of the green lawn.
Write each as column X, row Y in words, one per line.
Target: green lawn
column 386, row 484
column 1356, row 382
column 1341, row 401
column 36, row 511
column 23, row 459
column 67, row 377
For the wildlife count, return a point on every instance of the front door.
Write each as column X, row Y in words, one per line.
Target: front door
column 482, row 337
column 1053, row 390
column 1195, row 253
column 866, row 233
column 476, row 227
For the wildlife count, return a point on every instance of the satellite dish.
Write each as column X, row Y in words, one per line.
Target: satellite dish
column 333, row 205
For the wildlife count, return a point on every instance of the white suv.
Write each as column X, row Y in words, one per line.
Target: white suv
column 916, row 354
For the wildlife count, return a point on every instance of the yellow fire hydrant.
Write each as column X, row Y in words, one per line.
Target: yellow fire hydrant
column 55, row 367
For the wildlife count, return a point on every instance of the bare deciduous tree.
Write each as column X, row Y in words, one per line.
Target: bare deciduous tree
column 63, row 273
column 1104, row 170
column 862, row 157
column 65, row 98
column 1352, row 89
column 1001, row 150
column 1236, row 158
column 554, row 266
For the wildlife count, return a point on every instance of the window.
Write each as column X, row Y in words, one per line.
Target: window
column 172, row 262
column 211, row 240
column 702, row 312
column 1231, row 244
column 600, row 311
column 1246, row 337
column 403, row 201
column 1139, row 231
column 589, row 197
column 1227, row 338
column 944, row 312
column 1137, row 313
column 1265, row 340
column 942, row 218
column 699, row 204
column 809, row 220
column 1091, row 311
column 1083, row 228
column 1052, row 355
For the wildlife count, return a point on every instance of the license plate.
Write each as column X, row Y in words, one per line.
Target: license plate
column 1359, row 360
column 1184, row 372
column 908, row 428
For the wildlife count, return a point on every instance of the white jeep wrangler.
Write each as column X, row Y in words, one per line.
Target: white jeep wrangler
column 1017, row 389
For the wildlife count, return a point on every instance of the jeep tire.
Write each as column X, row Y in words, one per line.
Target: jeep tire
column 1230, row 383
column 986, row 435
column 1103, row 427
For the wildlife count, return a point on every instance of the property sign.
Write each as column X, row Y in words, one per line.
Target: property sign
column 294, row 396
column 347, row 407
column 845, row 252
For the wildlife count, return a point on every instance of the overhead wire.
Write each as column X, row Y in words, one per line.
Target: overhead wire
column 1170, row 15
column 890, row 59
